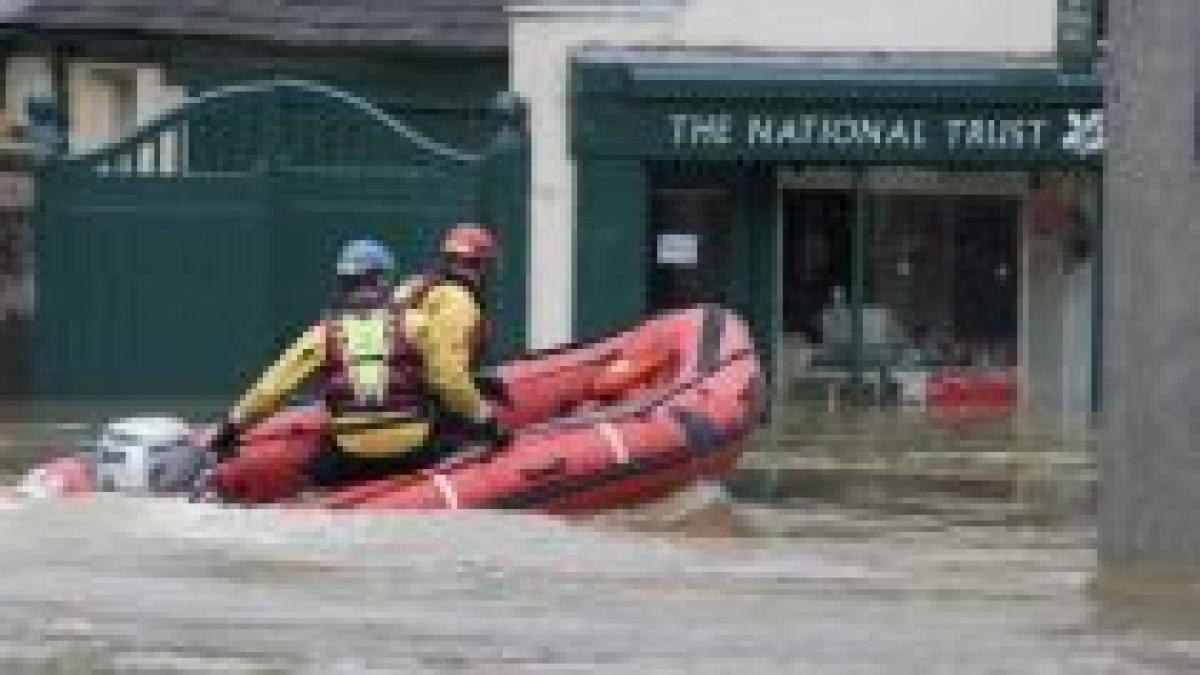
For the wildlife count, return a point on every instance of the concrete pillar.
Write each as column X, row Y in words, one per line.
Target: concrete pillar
column 1150, row 447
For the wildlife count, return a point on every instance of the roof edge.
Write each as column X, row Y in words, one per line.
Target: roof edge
column 551, row 9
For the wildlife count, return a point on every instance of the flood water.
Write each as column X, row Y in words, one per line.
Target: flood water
column 707, row 584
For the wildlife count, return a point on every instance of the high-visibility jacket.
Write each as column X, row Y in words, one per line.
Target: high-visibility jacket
column 433, row 346
column 372, row 365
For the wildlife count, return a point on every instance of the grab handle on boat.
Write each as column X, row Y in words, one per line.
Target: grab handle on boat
column 555, row 467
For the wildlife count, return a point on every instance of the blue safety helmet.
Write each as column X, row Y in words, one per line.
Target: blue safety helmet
column 363, row 257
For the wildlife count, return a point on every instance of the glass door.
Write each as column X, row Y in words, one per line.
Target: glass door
column 816, row 346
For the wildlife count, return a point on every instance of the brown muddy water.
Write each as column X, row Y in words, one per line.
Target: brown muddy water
column 706, row 584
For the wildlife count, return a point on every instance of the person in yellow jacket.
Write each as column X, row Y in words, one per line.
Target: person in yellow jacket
column 387, row 367
column 453, row 290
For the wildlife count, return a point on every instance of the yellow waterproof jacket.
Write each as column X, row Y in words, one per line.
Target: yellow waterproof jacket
column 461, row 324
column 441, row 328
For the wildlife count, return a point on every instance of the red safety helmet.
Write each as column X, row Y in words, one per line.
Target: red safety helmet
column 469, row 241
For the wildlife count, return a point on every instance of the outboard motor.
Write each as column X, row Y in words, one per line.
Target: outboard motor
column 148, row 456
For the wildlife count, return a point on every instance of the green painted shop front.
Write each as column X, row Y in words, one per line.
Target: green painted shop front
column 684, row 166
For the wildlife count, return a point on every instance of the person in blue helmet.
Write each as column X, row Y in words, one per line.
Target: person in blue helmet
column 383, row 366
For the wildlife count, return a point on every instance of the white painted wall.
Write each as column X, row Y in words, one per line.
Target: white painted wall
column 874, row 25
column 94, row 119
column 545, row 35
column 155, row 95
column 540, row 50
column 91, row 114
column 26, row 76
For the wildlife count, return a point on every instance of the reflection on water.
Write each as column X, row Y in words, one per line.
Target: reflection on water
column 122, row 585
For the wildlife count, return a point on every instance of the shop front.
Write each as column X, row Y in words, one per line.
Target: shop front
column 916, row 231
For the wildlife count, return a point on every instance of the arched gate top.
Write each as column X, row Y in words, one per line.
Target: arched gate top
column 163, row 144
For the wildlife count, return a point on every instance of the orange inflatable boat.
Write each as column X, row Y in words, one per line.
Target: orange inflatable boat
column 616, row 422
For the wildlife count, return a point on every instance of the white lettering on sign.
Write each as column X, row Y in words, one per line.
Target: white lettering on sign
column 1085, row 133
column 836, row 131
column 760, row 131
column 991, row 134
column 702, row 129
column 1077, row 132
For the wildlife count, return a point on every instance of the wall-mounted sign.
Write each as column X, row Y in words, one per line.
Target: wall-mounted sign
column 774, row 111
column 1077, row 29
column 1072, row 132
column 678, row 249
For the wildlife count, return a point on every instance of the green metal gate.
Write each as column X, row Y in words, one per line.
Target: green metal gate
column 178, row 260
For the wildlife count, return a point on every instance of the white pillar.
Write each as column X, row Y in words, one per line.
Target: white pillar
column 543, row 38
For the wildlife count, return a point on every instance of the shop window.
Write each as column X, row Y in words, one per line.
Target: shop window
column 942, row 285
column 937, row 291
column 817, row 262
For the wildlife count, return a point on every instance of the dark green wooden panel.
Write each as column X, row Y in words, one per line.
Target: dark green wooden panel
column 759, row 211
column 504, row 205
column 610, row 276
column 179, row 261
column 145, row 297
column 318, row 210
column 1078, row 31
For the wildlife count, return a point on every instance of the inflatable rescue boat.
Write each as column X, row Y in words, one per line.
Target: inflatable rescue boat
column 616, row 422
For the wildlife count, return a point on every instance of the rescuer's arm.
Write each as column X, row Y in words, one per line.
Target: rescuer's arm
column 451, row 318
column 297, row 363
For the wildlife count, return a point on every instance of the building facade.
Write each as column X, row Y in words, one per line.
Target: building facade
column 892, row 194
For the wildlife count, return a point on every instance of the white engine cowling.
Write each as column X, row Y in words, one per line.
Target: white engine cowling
column 146, row 455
